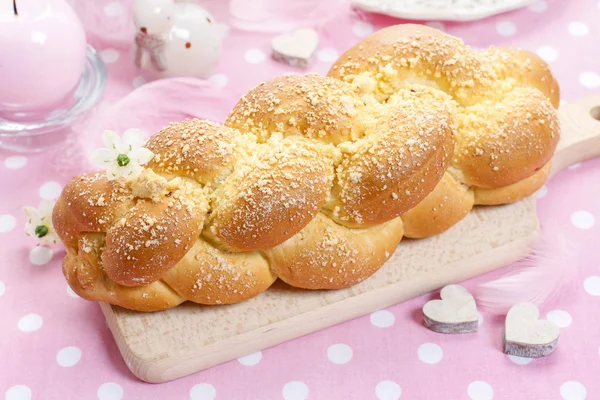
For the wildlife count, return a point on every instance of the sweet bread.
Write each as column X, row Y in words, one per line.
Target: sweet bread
column 504, row 101
column 306, row 181
column 315, row 180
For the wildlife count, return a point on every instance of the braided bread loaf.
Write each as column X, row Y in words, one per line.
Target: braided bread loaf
column 502, row 99
column 306, row 181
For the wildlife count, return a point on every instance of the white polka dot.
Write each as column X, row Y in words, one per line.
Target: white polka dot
column 114, row 9
column 520, row 360
column 71, row 293
column 382, row 319
column 68, row 356
column 430, row 353
column 362, row 29
column 295, row 390
column 436, row 25
column 218, row 80
column 543, row 191
column 110, row 391
column 578, row 29
column 592, row 285
column 582, row 219
column 562, row 103
column 539, row 7
column 506, row 28
column 18, row 392
column 30, row 323
column 547, row 53
column 388, row 390
column 2, row 288
column 479, row 319
column 50, row 190
column 110, row 56
column 339, row 353
column 590, row 80
column 251, row 359
column 254, row 56
column 480, row 390
column 561, row 318
column 138, row 81
column 575, row 166
column 40, row 255
column 203, row 391
column 573, row 390
column 327, row 55
column 15, row 162
column 7, row 223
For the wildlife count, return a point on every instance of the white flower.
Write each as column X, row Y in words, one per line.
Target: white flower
column 39, row 224
column 122, row 156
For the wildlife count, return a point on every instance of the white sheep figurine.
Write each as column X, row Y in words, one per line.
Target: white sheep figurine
column 175, row 38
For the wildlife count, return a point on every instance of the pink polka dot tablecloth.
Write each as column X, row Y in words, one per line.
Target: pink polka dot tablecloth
column 56, row 346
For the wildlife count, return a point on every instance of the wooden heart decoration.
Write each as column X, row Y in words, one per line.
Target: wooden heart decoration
column 456, row 312
column 526, row 335
column 296, row 49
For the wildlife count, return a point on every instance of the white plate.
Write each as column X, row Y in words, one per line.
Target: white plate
column 447, row 10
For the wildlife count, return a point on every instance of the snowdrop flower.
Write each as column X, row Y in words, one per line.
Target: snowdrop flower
column 39, row 224
column 122, row 156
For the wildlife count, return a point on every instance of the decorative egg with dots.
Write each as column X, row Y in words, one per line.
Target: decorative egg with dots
column 175, row 39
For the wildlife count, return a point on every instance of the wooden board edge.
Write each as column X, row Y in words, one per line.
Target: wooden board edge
column 153, row 370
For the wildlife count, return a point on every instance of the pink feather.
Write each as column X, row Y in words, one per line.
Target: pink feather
column 544, row 276
column 149, row 108
column 282, row 16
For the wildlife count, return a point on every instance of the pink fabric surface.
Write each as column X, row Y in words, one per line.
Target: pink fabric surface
column 54, row 345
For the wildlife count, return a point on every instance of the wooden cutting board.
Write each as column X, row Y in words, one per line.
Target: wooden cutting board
column 162, row 346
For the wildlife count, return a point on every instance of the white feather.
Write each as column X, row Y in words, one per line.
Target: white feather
column 542, row 277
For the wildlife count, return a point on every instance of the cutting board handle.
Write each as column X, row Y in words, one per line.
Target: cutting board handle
column 580, row 133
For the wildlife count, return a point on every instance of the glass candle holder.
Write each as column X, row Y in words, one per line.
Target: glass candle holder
column 50, row 77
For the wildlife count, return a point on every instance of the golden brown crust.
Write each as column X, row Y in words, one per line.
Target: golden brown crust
column 311, row 176
column 197, row 222
column 412, row 54
column 527, row 68
column 446, row 205
column 149, row 240
column 391, row 155
column 83, row 271
column 307, row 105
column 266, row 203
column 514, row 192
column 66, row 225
column 394, row 167
column 95, row 202
column 325, row 255
column 504, row 103
column 497, row 149
column 202, row 150
column 207, row 275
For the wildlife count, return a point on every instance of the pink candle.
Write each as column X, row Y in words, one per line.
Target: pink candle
column 42, row 54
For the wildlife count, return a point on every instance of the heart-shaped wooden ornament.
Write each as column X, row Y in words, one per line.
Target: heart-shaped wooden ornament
column 296, row 49
column 456, row 312
column 526, row 335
